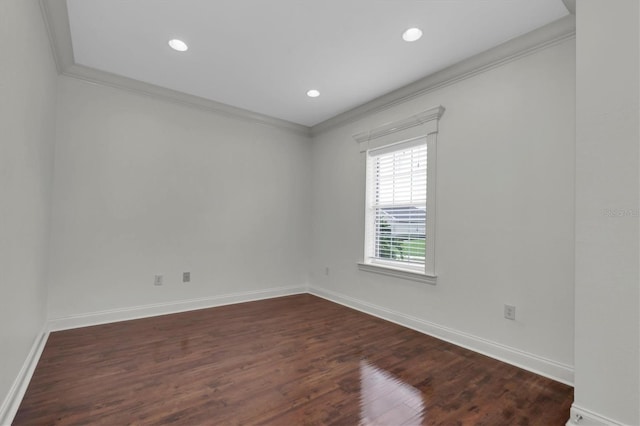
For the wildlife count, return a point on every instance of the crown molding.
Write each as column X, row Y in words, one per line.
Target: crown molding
column 56, row 19
column 527, row 44
column 95, row 76
column 570, row 5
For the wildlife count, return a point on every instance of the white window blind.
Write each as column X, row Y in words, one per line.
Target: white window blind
column 397, row 204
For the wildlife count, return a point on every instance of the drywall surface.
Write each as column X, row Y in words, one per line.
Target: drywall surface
column 145, row 187
column 607, row 210
column 27, row 131
column 505, row 209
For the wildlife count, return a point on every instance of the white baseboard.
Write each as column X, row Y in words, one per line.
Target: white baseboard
column 531, row 362
column 13, row 399
column 137, row 312
column 539, row 365
column 583, row 417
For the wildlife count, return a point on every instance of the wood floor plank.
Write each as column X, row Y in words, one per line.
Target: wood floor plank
column 297, row 360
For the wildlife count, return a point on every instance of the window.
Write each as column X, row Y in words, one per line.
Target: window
column 401, row 197
column 397, row 205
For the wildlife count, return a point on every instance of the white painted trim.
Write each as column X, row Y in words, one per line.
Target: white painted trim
column 548, row 368
column 419, row 126
column 128, row 84
column 432, row 201
column 512, row 50
column 582, row 417
column 397, row 273
column 57, row 22
column 430, row 116
column 145, row 311
column 570, row 5
column 13, row 399
column 536, row 364
column 56, row 19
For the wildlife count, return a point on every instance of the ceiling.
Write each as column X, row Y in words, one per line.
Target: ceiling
column 263, row 56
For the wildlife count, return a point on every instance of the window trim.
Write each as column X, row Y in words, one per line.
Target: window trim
column 398, row 272
column 423, row 125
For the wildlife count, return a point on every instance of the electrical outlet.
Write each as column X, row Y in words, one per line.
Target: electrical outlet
column 326, row 270
column 157, row 280
column 186, row 277
column 510, row 312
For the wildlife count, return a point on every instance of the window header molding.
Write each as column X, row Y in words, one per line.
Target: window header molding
column 417, row 125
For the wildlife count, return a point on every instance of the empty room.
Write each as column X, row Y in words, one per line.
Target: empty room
column 296, row 212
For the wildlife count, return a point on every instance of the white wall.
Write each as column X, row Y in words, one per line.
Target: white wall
column 27, row 128
column 607, row 210
column 145, row 187
column 505, row 212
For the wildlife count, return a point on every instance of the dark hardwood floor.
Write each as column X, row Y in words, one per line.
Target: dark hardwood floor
column 297, row 360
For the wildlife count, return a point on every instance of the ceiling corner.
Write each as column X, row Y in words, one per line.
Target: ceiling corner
column 570, row 5
column 56, row 19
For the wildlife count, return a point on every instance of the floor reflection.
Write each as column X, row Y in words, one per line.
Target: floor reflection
column 386, row 400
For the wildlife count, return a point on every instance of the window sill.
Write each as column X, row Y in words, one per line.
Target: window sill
column 398, row 273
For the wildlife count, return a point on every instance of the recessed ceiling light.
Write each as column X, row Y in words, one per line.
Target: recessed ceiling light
column 313, row 93
column 412, row 34
column 178, row 45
